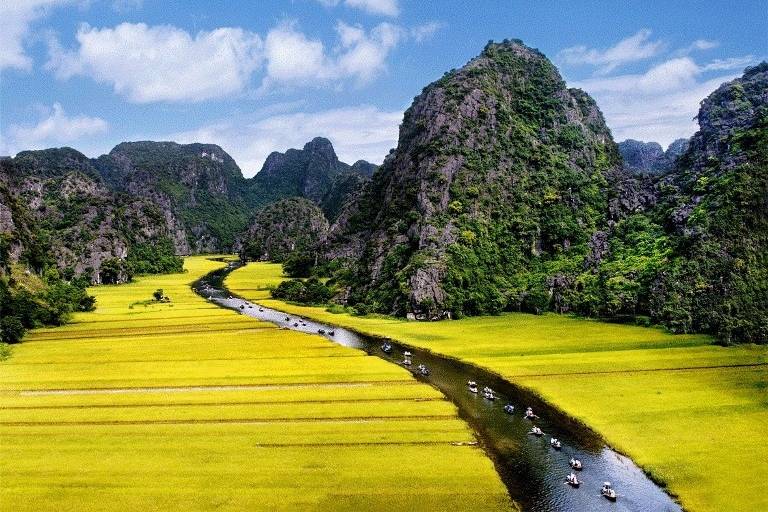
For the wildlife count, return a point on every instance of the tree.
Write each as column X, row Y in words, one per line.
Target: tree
column 11, row 329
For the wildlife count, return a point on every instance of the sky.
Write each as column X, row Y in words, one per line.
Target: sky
column 262, row 76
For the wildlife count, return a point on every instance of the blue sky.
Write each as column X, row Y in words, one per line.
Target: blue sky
column 258, row 76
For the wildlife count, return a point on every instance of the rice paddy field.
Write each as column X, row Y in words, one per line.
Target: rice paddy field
column 188, row 406
column 691, row 413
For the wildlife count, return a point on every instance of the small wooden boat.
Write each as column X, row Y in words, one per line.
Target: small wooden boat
column 575, row 464
column 321, row 331
column 242, row 307
column 488, row 394
column 607, row 492
column 331, row 333
column 554, row 443
column 509, row 408
column 536, row 431
column 295, row 324
column 287, row 319
column 386, row 348
column 573, row 480
column 472, row 385
column 423, row 370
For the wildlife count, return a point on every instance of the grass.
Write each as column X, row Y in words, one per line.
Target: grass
column 187, row 406
column 691, row 413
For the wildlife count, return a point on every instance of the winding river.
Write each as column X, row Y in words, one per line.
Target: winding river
column 533, row 472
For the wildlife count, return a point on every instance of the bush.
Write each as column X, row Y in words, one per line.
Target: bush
column 310, row 291
column 11, row 330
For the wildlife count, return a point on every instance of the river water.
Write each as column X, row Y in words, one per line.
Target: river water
column 533, row 472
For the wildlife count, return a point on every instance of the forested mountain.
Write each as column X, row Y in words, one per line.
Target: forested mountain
column 146, row 201
column 507, row 192
column 314, row 173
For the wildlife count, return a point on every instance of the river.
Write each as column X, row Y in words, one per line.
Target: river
column 532, row 470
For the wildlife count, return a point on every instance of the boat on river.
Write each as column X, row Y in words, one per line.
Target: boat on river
column 472, row 385
column 536, row 431
column 488, row 393
column 608, row 492
column 555, row 443
column 575, row 464
column 386, row 348
column 573, row 480
column 509, row 408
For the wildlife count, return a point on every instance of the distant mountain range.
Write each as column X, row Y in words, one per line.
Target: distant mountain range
column 192, row 197
column 506, row 192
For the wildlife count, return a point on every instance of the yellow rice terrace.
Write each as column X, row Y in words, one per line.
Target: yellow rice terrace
column 182, row 405
column 689, row 412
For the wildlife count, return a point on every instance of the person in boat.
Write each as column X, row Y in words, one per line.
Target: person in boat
column 509, row 408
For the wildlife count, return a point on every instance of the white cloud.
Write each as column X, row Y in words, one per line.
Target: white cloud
column 423, row 32
column 55, row 128
column 698, row 45
column 631, row 49
column 658, row 105
column 731, row 63
column 382, row 7
column 294, row 59
column 162, row 63
column 17, row 17
column 362, row 132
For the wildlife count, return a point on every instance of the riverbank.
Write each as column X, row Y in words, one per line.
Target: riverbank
column 186, row 405
column 681, row 407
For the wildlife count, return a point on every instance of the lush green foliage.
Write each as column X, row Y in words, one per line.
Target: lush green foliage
column 311, row 291
column 36, row 302
column 156, row 258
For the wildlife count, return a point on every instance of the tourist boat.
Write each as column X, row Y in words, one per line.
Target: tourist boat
column 287, row 319
column 242, row 307
column 423, row 370
column 488, row 393
column 386, row 348
column 295, row 324
column 321, row 331
column 509, row 408
column 607, row 492
column 407, row 358
column 537, row 432
column 554, row 443
column 572, row 480
column 472, row 386
column 575, row 464
column 529, row 414
column 331, row 333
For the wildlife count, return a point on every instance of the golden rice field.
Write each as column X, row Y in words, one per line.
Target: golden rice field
column 187, row 406
column 693, row 414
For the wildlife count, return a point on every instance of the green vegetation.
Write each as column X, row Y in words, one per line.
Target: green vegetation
column 185, row 405
column 690, row 412
column 28, row 300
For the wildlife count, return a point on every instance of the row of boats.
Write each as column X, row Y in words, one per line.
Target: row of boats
column 607, row 490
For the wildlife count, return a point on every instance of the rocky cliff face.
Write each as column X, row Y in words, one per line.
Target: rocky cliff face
column 649, row 157
column 57, row 209
column 498, row 167
column 199, row 184
column 293, row 225
column 715, row 209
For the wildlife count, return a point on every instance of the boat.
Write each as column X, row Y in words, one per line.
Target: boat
column 488, row 393
column 608, row 492
column 536, row 431
column 287, row 319
column 321, row 331
column 331, row 333
column 407, row 358
column 423, row 370
column 575, row 464
column 509, row 408
column 472, row 386
column 386, row 348
column 555, row 443
column 261, row 309
column 572, row 480
column 242, row 307
column 295, row 324
column 529, row 414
